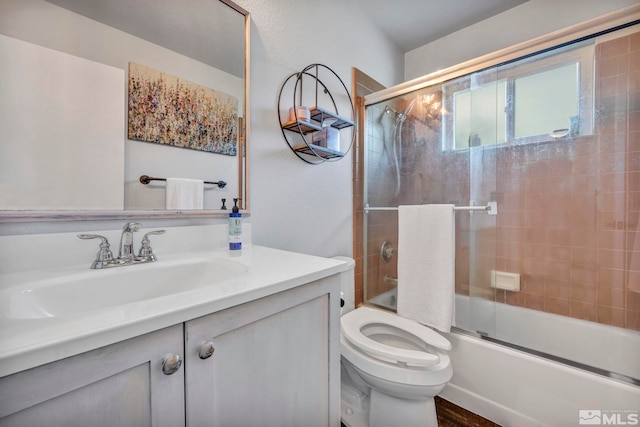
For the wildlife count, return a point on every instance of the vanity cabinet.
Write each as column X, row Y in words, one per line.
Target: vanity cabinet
column 106, row 387
column 273, row 361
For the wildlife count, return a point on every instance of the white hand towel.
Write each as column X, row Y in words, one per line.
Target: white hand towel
column 183, row 193
column 426, row 264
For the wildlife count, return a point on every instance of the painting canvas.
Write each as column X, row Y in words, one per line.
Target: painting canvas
column 169, row 110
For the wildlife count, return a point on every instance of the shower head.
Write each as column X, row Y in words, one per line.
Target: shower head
column 390, row 111
column 398, row 116
column 395, row 114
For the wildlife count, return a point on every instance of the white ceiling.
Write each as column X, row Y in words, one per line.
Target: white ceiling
column 409, row 23
column 209, row 31
column 413, row 23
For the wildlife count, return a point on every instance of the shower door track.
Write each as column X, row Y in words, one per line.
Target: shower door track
column 592, row 369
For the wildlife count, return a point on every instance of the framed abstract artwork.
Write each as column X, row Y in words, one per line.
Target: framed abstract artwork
column 168, row 110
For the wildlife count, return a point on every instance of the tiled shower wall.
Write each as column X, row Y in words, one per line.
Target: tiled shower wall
column 569, row 209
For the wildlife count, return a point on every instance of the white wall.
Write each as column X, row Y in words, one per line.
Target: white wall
column 46, row 114
column 531, row 19
column 296, row 206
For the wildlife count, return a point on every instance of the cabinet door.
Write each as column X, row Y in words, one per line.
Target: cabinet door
column 117, row 385
column 273, row 364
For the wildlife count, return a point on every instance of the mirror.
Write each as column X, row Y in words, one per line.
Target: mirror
column 65, row 150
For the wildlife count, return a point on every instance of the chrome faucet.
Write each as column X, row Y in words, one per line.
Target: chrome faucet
column 126, row 253
column 126, row 241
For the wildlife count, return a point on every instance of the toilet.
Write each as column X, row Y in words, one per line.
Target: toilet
column 391, row 368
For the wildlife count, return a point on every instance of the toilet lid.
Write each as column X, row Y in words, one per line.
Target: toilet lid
column 352, row 323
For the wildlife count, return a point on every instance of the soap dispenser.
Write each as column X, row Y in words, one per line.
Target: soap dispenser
column 235, row 229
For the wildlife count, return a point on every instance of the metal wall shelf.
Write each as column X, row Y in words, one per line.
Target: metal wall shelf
column 316, row 150
column 320, row 115
column 308, row 151
column 301, row 126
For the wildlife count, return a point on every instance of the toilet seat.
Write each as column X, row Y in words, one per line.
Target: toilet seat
column 353, row 322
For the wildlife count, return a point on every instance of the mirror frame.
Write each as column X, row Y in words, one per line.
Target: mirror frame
column 243, row 169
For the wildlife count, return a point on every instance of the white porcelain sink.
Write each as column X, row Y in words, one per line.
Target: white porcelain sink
column 58, row 294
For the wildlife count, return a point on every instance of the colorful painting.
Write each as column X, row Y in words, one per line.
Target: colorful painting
column 168, row 110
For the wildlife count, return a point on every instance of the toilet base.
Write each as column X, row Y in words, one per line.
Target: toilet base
column 388, row 411
column 364, row 406
column 354, row 406
column 358, row 409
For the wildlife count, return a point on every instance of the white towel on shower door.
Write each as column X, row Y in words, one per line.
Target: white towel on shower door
column 183, row 193
column 426, row 264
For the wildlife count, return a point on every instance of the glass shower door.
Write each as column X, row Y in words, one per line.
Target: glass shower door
column 430, row 147
column 473, row 124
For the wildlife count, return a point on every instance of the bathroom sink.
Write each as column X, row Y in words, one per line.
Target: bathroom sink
column 89, row 290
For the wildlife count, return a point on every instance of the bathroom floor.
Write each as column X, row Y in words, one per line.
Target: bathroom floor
column 450, row 415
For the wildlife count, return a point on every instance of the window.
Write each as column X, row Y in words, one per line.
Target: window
column 534, row 99
column 479, row 116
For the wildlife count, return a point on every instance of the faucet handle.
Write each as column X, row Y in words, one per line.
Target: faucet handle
column 146, row 253
column 104, row 256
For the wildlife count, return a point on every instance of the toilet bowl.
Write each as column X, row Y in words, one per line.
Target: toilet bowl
column 392, row 368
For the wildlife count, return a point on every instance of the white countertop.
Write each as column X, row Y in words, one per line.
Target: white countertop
column 26, row 343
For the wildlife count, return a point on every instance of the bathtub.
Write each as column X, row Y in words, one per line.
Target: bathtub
column 516, row 388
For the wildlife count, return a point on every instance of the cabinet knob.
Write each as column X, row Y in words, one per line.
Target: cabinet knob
column 171, row 363
column 206, row 350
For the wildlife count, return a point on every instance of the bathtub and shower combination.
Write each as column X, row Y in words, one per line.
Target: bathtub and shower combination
column 582, row 365
column 563, row 347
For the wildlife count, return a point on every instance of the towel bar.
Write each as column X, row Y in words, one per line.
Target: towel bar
column 491, row 208
column 145, row 179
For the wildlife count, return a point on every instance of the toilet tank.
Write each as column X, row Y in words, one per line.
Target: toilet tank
column 347, row 284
